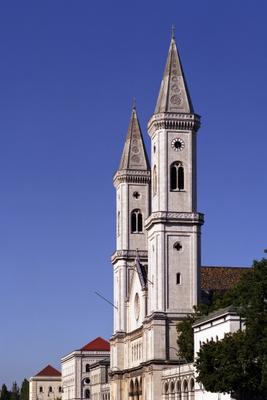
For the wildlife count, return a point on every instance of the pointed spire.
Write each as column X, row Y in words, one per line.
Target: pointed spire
column 173, row 95
column 134, row 155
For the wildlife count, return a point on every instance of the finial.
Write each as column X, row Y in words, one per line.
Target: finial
column 173, row 31
column 134, row 103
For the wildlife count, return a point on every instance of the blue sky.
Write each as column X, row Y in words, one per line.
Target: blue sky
column 68, row 73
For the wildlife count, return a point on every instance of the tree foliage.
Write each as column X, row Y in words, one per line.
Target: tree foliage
column 14, row 395
column 238, row 363
column 185, row 340
column 5, row 394
column 24, row 391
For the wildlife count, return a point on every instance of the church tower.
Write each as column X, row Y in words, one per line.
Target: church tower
column 157, row 285
column 132, row 183
column 173, row 226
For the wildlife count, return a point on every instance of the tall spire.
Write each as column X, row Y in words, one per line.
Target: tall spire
column 134, row 155
column 173, row 95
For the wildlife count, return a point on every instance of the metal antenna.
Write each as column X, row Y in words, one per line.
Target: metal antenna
column 134, row 103
column 103, row 298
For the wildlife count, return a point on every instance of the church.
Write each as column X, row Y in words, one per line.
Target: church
column 157, row 272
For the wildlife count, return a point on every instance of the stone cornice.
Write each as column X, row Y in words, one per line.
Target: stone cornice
column 164, row 316
column 175, row 217
column 173, row 121
column 117, row 336
column 129, row 255
column 131, row 176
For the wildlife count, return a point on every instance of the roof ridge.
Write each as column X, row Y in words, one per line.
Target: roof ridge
column 97, row 344
column 49, row 370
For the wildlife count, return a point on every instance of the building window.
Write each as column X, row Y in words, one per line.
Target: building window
column 177, row 176
column 87, row 394
column 136, row 221
column 41, row 389
column 177, row 246
column 60, row 389
column 87, row 368
column 136, row 195
column 155, row 181
column 178, row 278
column 50, row 389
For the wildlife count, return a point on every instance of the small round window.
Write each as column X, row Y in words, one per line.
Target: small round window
column 136, row 195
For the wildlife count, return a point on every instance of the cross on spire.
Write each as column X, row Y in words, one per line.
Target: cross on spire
column 173, row 31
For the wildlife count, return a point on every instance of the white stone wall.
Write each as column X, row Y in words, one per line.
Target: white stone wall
column 39, row 388
column 165, row 262
column 162, row 156
column 126, row 202
column 74, row 374
column 214, row 327
column 99, row 386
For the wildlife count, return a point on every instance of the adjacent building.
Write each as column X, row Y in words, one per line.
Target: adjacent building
column 46, row 385
column 77, row 369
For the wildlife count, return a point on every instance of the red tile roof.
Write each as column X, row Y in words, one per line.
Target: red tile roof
column 98, row 344
column 220, row 278
column 49, row 371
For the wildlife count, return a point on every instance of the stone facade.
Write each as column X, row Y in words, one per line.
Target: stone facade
column 76, row 369
column 46, row 385
column 157, row 257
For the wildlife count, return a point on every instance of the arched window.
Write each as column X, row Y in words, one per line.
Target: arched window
column 50, row 390
column 136, row 387
column 87, row 368
column 87, row 393
column 136, row 221
column 166, row 388
column 185, row 390
column 155, row 181
column 131, row 391
column 177, row 176
column 41, row 389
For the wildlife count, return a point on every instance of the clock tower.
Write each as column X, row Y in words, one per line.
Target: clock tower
column 173, row 227
column 158, row 285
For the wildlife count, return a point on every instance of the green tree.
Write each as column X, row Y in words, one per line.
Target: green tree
column 185, row 340
column 5, row 394
column 238, row 363
column 14, row 395
column 24, row 391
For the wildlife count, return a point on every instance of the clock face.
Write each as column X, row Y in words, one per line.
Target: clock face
column 177, row 144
